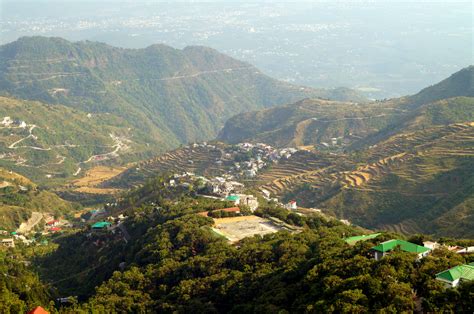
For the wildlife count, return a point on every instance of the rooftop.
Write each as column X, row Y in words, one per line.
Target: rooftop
column 232, row 198
column 354, row 239
column 38, row 310
column 465, row 272
column 404, row 246
column 101, row 225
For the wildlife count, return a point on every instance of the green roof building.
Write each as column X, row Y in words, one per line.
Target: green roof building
column 101, row 225
column 385, row 247
column 353, row 240
column 453, row 276
column 233, row 198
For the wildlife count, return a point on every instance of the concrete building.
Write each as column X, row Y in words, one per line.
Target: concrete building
column 249, row 200
column 8, row 242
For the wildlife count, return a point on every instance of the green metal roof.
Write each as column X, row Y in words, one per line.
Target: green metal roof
column 465, row 272
column 354, row 239
column 101, row 225
column 404, row 246
column 233, row 198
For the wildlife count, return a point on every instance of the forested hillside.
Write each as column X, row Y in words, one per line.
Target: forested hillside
column 19, row 197
column 20, row 288
column 309, row 122
column 174, row 262
column 172, row 95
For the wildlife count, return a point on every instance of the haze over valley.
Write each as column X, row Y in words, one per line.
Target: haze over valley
column 215, row 157
column 383, row 49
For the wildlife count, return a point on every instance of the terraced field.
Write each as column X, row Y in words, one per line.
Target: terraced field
column 202, row 160
column 303, row 167
column 427, row 188
column 410, row 181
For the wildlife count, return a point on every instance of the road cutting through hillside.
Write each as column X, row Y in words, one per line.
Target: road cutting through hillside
column 27, row 226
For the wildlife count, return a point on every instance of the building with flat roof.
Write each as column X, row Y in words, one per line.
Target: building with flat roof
column 8, row 242
column 101, row 225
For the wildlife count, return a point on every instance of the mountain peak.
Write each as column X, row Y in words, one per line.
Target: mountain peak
column 458, row 84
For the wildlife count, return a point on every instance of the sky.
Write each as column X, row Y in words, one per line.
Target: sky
column 382, row 48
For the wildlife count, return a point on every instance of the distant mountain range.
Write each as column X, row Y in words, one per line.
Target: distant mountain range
column 314, row 121
column 174, row 96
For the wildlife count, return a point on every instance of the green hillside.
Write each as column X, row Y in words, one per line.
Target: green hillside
column 311, row 122
column 460, row 83
column 20, row 197
column 173, row 262
column 429, row 189
column 50, row 143
column 172, row 95
column 414, row 176
column 397, row 165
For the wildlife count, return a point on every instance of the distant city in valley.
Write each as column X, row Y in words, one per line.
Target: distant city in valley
column 380, row 49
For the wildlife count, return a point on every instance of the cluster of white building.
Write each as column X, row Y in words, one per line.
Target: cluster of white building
column 9, row 122
column 264, row 154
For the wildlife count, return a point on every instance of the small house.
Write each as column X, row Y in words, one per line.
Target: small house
column 233, row 198
column 250, row 173
column 52, row 223
column 265, row 193
column 454, row 276
column 38, row 310
column 431, row 245
column 249, row 200
column 291, row 205
column 8, row 242
column 466, row 250
column 101, row 226
column 386, row 247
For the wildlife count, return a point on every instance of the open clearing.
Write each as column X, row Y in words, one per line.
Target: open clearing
column 27, row 226
column 94, row 177
column 237, row 228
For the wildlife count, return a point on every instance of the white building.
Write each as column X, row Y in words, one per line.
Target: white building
column 8, row 242
column 291, row 205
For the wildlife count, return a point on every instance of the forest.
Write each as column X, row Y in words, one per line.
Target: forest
column 174, row 263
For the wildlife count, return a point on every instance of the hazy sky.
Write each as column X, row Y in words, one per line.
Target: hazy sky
column 386, row 47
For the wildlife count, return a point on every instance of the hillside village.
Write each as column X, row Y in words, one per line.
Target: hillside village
column 107, row 225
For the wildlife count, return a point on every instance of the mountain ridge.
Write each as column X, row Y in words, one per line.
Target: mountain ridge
column 176, row 96
column 280, row 125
